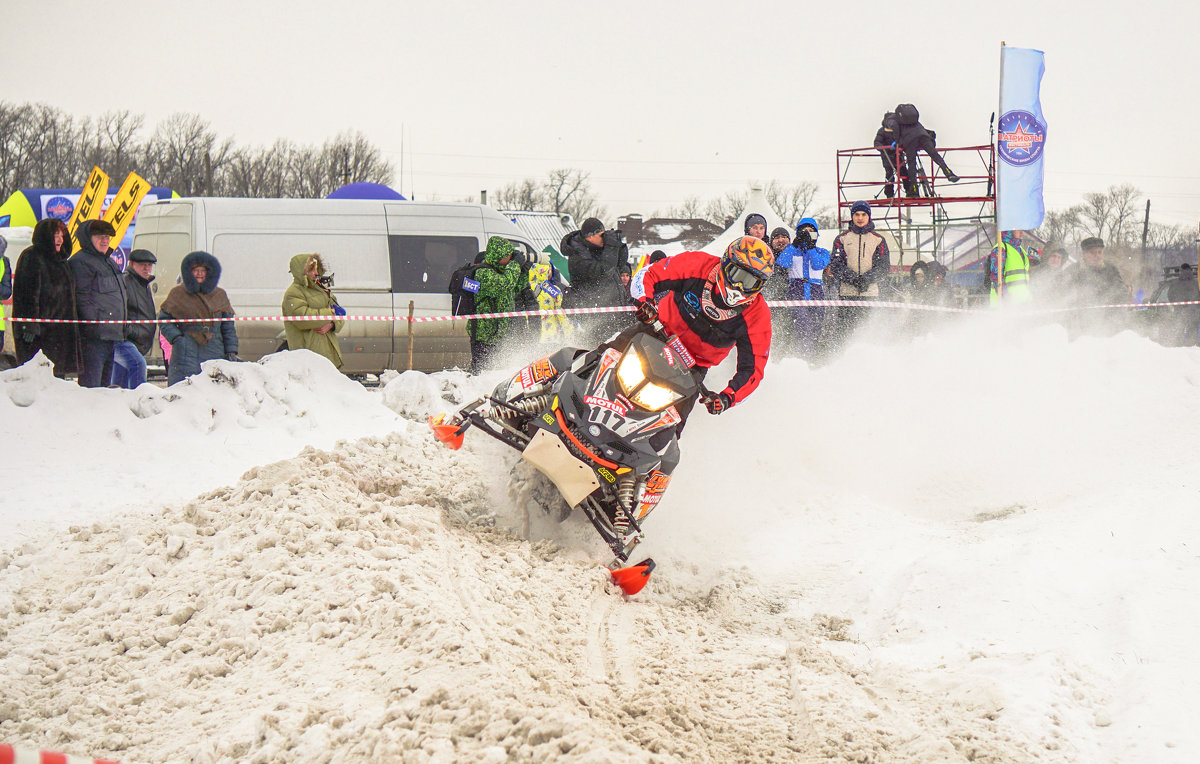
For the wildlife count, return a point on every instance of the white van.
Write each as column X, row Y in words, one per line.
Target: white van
column 387, row 257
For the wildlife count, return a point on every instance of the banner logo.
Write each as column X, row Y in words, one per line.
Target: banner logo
column 1020, row 138
column 60, row 207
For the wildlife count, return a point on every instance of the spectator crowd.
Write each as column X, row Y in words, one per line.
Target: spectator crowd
column 194, row 323
column 93, row 321
column 857, row 269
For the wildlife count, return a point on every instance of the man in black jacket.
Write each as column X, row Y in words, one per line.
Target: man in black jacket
column 99, row 296
column 885, row 142
column 914, row 137
column 129, row 355
column 598, row 262
column 1092, row 282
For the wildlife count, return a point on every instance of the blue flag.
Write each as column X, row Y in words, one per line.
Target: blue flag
column 1020, row 140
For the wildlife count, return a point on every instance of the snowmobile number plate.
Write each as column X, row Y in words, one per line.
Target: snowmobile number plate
column 574, row 478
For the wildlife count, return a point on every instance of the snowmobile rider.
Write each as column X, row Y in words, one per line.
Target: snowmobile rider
column 714, row 304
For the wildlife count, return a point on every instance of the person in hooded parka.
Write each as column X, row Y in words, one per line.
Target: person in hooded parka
column 197, row 297
column 308, row 295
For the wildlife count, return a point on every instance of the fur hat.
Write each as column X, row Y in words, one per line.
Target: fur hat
column 101, row 228
column 1091, row 242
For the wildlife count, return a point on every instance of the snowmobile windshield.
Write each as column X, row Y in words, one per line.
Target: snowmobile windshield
column 652, row 375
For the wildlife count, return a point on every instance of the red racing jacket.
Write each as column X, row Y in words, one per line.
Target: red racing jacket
column 707, row 330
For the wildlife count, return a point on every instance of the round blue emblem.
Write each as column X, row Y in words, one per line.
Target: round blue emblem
column 1020, row 137
column 60, row 207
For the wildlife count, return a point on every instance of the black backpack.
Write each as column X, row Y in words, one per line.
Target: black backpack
column 463, row 288
column 907, row 114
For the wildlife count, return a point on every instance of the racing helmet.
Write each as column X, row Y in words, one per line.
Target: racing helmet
column 745, row 267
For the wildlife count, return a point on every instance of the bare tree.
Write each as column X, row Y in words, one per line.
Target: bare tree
column 568, row 191
column 41, row 146
column 259, row 172
column 118, row 132
column 1062, row 226
column 723, row 210
column 519, row 195
column 13, row 159
column 692, row 207
column 46, row 155
column 1170, row 237
column 185, row 154
column 351, row 158
column 1112, row 214
column 794, row 202
column 308, row 176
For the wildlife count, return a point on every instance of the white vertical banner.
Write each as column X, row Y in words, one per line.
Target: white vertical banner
column 1020, row 140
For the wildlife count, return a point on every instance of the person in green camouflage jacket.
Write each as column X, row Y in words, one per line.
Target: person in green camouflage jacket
column 499, row 281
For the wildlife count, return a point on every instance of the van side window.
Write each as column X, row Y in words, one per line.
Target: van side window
column 424, row 263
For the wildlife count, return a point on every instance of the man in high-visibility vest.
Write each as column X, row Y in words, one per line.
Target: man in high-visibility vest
column 1007, row 274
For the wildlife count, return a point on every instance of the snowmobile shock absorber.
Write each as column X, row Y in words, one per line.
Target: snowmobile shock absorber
column 626, row 487
column 504, row 410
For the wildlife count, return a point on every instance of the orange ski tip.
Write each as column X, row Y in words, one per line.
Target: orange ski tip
column 634, row 578
column 447, row 434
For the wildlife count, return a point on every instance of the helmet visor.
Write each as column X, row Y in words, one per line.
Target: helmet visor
column 742, row 279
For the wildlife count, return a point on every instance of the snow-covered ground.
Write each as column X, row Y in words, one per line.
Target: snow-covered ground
column 978, row 545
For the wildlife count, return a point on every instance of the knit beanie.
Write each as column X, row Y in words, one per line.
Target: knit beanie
column 754, row 219
column 860, row 206
column 591, row 227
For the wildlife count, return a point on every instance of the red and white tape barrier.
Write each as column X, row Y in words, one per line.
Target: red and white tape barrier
column 11, row 755
column 582, row 311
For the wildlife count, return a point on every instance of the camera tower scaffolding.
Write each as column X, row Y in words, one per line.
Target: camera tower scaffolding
column 953, row 224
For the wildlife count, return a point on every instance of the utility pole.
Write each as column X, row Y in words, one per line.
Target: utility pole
column 1146, row 269
column 1145, row 228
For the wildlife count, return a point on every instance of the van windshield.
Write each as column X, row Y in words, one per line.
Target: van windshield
column 425, row 263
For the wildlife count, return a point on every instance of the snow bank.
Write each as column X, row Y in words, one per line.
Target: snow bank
column 77, row 455
column 359, row 605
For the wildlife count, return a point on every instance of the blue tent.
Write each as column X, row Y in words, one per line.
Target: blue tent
column 366, row 190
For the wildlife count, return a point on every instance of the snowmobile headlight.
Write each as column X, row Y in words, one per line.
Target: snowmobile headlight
column 629, row 371
column 643, row 393
column 654, row 397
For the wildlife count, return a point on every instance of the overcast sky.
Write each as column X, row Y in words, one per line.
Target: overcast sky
column 657, row 100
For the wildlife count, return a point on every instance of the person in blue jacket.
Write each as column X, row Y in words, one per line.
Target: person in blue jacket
column 805, row 262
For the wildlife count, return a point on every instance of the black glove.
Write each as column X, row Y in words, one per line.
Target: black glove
column 646, row 312
column 716, row 403
column 232, row 357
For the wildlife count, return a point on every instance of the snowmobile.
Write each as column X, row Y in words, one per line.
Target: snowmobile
column 600, row 425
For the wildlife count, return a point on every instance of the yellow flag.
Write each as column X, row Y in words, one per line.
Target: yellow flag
column 124, row 205
column 88, row 205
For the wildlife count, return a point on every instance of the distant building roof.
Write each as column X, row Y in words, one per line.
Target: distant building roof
column 544, row 228
column 655, row 232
